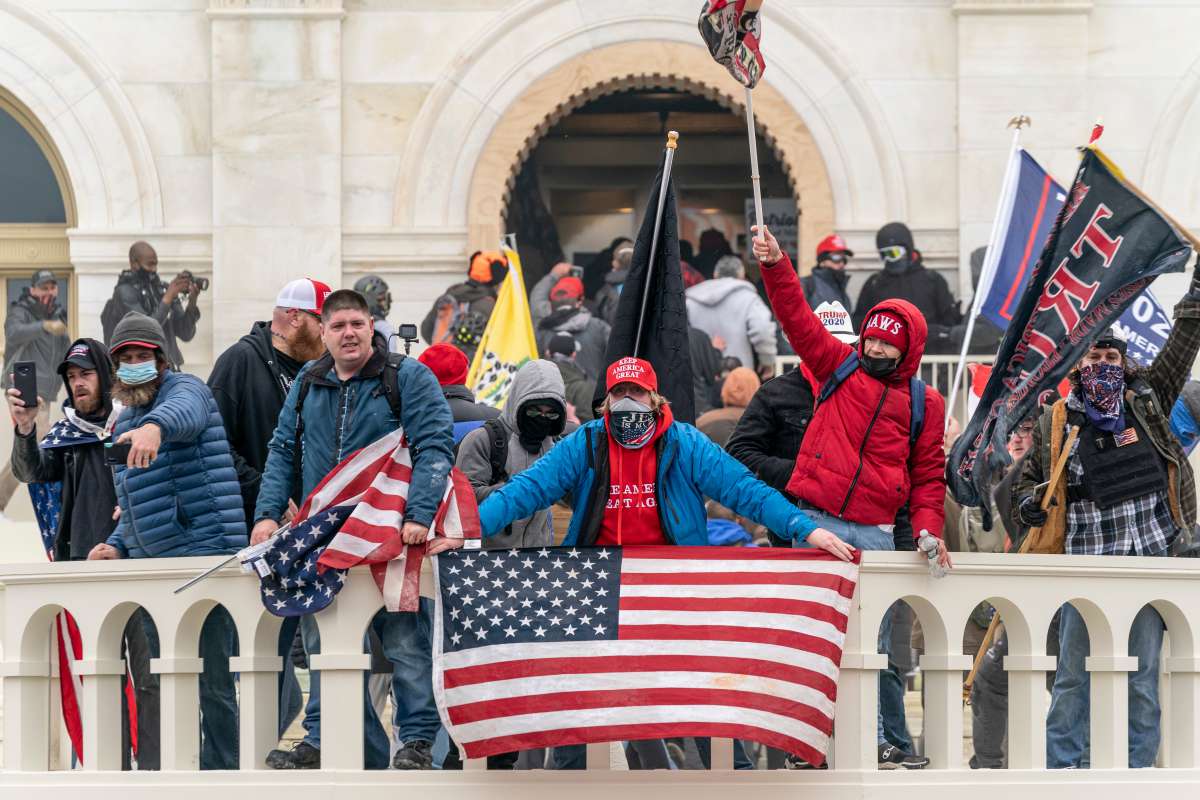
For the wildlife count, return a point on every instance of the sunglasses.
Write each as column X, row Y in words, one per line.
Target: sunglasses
column 893, row 253
column 537, row 412
column 836, row 258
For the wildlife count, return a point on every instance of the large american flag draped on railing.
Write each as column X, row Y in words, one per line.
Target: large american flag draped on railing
column 538, row 648
column 354, row 517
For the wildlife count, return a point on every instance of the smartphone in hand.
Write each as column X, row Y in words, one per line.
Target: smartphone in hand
column 25, row 382
column 117, row 455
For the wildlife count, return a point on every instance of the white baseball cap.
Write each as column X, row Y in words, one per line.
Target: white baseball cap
column 304, row 294
column 836, row 319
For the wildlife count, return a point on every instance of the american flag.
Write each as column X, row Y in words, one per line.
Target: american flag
column 354, row 517
column 539, row 648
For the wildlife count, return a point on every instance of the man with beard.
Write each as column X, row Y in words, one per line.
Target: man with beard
column 179, row 496
column 251, row 379
column 350, row 397
column 35, row 330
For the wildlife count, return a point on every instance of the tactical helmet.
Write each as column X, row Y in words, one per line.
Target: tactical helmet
column 375, row 290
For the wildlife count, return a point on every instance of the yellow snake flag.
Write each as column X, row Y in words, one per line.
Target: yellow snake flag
column 507, row 341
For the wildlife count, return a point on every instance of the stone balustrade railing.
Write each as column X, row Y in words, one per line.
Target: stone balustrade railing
column 1026, row 590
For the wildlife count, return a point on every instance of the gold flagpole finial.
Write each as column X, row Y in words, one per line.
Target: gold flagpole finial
column 672, row 139
column 1020, row 121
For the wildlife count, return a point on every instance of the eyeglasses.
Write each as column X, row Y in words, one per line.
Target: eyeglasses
column 1022, row 430
column 893, row 253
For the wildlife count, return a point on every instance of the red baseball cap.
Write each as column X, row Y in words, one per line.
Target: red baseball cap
column 304, row 294
column 632, row 370
column 833, row 244
column 568, row 288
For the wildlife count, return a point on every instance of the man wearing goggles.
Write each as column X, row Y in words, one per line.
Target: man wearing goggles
column 905, row 277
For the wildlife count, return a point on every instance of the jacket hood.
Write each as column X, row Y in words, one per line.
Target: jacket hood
column 537, row 380
column 570, row 320
column 457, row 391
column 104, row 369
column 918, row 333
column 716, row 291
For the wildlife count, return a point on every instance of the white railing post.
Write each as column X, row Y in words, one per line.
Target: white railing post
column 258, row 709
column 599, row 756
column 1027, row 705
column 1183, row 744
column 179, row 710
column 943, row 721
column 856, row 716
column 26, row 716
column 341, row 706
column 720, row 753
column 101, row 713
column 1110, row 709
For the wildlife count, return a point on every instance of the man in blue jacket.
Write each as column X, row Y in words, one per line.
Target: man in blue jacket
column 348, row 399
column 178, row 496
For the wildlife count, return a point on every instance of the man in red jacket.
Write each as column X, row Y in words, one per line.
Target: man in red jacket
column 857, row 465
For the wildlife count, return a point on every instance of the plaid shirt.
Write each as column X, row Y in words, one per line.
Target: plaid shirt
column 1139, row 527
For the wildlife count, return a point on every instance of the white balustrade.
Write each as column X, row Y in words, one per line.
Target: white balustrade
column 1026, row 590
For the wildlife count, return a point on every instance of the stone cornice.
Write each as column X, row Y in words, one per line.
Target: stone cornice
column 276, row 9
column 967, row 7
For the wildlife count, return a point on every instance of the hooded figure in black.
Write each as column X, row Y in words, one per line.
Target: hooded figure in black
column 905, row 277
column 73, row 451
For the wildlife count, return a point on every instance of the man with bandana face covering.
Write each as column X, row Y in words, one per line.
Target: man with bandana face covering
column 1129, row 490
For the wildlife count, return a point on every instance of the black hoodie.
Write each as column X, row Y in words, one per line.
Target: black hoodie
column 88, row 497
column 250, row 382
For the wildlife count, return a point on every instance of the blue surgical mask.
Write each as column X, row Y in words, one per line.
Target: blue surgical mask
column 137, row 374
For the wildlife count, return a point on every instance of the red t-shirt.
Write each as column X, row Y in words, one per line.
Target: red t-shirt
column 631, row 515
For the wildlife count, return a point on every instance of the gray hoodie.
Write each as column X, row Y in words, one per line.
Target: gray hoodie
column 537, row 380
column 731, row 308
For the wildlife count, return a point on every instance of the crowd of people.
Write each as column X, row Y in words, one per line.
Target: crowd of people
column 847, row 452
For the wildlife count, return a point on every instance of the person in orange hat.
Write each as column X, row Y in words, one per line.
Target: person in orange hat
column 827, row 282
column 460, row 316
column 556, row 305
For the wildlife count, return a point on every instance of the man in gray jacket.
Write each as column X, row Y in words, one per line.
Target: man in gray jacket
column 534, row 418
column 729, row 307
column 556, row 305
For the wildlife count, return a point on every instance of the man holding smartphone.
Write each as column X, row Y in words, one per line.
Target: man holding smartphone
column 556, row 305
column 35, row 332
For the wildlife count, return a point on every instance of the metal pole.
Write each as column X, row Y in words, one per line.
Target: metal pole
column 752, row 135
column 990, row 261
column 672, row 142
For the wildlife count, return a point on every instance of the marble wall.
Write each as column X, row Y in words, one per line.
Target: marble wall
column 258, row 140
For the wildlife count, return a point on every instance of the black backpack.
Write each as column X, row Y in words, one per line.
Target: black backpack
column 391, row 369
column 109, row 318
column 497, row 449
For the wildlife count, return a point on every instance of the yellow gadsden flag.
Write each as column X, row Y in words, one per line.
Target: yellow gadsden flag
column 507, row 341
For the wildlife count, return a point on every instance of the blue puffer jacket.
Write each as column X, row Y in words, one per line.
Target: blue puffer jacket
column 690, row 467
column 187, row 502
column 341, row 417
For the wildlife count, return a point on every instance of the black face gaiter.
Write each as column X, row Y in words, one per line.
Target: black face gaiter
column 878, row 366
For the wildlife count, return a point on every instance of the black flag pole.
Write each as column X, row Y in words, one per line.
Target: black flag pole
column 672, row 143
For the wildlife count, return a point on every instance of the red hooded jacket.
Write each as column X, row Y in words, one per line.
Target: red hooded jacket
column 855, row 461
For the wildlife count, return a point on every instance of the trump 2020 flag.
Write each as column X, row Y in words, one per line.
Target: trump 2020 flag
column 1107, row 244
column 558, row 646
column 1026, row 216
column 507, row 341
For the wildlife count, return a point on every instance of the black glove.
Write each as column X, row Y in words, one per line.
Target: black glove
column 1031, row 512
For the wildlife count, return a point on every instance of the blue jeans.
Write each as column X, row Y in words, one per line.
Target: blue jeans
column 1067, row 724
column 218, row 698
column 407, row 643
column 871, row 537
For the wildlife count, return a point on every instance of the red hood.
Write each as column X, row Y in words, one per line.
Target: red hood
column 918, row 333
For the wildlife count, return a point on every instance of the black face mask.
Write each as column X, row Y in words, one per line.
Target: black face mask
column 878, row 366
column 533, row 430
column 838, row 276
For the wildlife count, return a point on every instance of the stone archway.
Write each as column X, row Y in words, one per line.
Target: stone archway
column 575, row 83
column 482, row 113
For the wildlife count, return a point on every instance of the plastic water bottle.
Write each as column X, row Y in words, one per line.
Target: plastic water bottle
column 927, row 543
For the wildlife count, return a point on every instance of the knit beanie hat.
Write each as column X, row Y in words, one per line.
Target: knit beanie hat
column 138, row 330
column 886, row 326
column 447, row 363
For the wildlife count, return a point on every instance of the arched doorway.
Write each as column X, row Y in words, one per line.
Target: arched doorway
column 585, row 180
column 36, row 208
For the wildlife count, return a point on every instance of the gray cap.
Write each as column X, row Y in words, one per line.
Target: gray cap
column 137, row 330
column 42, row 277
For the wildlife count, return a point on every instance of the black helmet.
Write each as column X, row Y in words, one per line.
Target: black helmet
column 375, row 290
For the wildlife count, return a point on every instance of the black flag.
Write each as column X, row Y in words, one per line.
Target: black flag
column 1107, row 245
column 665, row 328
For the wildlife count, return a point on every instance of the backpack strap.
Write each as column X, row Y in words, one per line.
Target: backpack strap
column 391, row 381
column 843, row 371
column 916, row 392
column 497, row 449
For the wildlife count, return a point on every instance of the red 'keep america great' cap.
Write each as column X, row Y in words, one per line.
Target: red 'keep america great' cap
column 632, row 370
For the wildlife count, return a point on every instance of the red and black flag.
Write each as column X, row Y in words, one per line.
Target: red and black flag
column 732, row 31
column 1108, row 243
column 664, row 328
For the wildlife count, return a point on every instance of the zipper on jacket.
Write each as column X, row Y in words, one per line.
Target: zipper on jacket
column 862, row 447
column 343, row 402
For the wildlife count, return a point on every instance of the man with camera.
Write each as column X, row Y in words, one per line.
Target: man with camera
column 141, row 289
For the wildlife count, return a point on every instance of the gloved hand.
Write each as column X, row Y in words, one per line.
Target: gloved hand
column 1031, row 512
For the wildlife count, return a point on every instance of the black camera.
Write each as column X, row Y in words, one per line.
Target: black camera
column 201, row 283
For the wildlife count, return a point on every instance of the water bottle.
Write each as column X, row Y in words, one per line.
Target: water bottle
column 927, row 543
